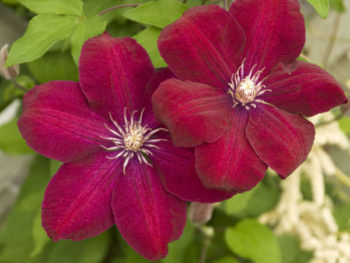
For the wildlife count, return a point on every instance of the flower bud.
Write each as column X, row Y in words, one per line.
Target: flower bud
column 200, row 213
column 7, row 72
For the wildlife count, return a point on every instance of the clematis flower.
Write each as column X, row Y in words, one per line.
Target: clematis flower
column 120, row 166
column 241, row 96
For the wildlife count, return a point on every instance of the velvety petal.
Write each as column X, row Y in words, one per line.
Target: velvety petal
column 281, row 139
column 146, row 215
column 176, row 166
column 274, row 29
column 77, row 202
column 303, row 88
column 114, row 73
column 230, row 163
column 204, row 45
column 194, row 113
column 58, row 123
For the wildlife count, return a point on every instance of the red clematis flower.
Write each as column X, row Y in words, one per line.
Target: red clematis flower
column 241, row 95
column 120, row 165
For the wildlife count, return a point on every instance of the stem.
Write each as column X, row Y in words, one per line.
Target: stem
column 208, row 234
column 331, row 42
column 116, row 7
column 19, row 86
column 342, row 177
column 225, row 4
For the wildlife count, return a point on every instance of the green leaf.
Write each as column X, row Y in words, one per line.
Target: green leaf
column 156, row 13
column 86, row 29
column 226, row 260
column 250, row 239
column 344, row 124
column 91, row 250
column 291, row 251
column 321, row 6
column 342, row 216
column 59, row 7
column 238, row 202
column 54, row 66
column 39, row 236
column 42, row 33
column 11, row 140
column 337, row 5
column 148, row 39
column 54, row 166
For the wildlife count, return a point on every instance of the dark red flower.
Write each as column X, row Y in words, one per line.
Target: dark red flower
column 120, row 165
column 241, row 95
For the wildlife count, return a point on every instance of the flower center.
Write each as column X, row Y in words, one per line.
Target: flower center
column 245, row 89
column 131, row 140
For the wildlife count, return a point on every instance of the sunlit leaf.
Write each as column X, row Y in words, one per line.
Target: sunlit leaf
column 60, row 7
column 321, row 6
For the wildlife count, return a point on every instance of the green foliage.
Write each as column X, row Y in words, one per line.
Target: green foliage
column 42, row 33
column 321, row 6
column 249, row 239
column 238, row 202
column 11, row 141
column 291, row 252
column 337, row 5
column 54, row 66
column 145, row 13
column 148, row 39
column 59, row 7
column 54, row 166
column 88, row 28
column 40, row 237
column 344, row 124
column 226, row 260
column 342, row 216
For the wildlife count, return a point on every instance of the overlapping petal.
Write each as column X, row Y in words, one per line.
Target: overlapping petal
column 77, row 202
column 281, row 139
column 58, row 123
column 275, row 31
column 176, row 167
column 230, row 163
column 146, row 215
column 303, row 88
column 204, row 46
column 194, row 113
column 113, row 74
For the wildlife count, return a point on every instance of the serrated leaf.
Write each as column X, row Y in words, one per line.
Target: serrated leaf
column 157, row 13
column 321, row 7
column 59, row 7
column 148, row 39
column 238, row 202
column 11, row 141
column 86, row 29
column 54, row 66
column 42, row 33
column 252, row 240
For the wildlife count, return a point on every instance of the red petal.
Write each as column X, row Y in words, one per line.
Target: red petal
column 203, row 45
column 146, row 215
column 281, row 139
column 58, row 123
column 114, row 73
column 303, row 88
column 176, row 166
column 230, row 163
column 275, row 31
column 77, row 202
column 193, row 112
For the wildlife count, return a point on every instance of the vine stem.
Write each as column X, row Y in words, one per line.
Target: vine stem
column 331, row 42
column 109, row 9
column 19, row 86
column 342, row 177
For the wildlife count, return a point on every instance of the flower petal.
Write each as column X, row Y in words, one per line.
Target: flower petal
column 77, row 202
column 58, row 123
column 230, row 163
column 114, row 73
column 275, row 31
column 303, row 88
column 204, row 45
column 146, row 215
column 281, row 139
column 194, row 113
column 176, row 166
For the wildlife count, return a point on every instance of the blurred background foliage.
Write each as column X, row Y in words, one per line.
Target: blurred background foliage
column 303, row 219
